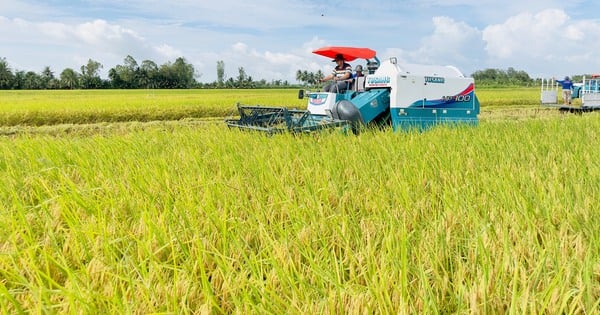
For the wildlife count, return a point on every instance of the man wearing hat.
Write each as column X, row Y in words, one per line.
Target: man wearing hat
column 339, row 76
column 358, row 72
column 358, row 84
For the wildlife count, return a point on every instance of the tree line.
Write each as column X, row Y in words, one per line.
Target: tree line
column 130, row 75
column 512, row 77
column 181, row 75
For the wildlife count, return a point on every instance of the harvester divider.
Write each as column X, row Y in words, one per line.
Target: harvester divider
column 272, row 120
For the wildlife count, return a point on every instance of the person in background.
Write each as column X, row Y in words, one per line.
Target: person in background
column 341, row 73
column 358, row 72
column 567, row 87
column 358, row 85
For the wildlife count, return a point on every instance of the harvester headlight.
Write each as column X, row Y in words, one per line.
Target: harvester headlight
column 374, row 103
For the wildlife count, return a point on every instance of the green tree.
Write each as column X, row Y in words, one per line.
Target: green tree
column 502, row 77
column 184, row 73
column 309, row 77
column 230, row 83
column 90, row 75
column 301, row 76
column 241, row 78
column 6, row 75
column 116, row 82
column 19, row 80
column 125, row 76
column 130, row 72
column 148, row 74
column 48, row 80
column 32, row 81
column 220, row 73
column 318, row 76
column 69, row 79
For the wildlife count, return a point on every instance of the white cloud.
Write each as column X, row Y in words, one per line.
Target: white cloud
column 240, row 48
column 526, row 33
column 451, row 40
column 168, row 51
column 73, row 44
column 100, row 32
column 276, row 40
column 450, row 43
column 549, row 41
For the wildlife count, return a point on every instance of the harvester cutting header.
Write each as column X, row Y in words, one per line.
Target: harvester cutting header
column 408, row 96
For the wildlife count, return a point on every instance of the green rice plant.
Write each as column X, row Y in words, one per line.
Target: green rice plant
column 93, row 106
column 503, row 97
column 38, row 108
column 196, row 218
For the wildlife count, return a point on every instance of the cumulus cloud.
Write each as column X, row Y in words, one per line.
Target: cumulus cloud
column 78, row 42
column 527, row 33
column 450, row 40
column 168, row 51
column 450, row 43
column 98, row 34
column 271, row 43
column 549, row 39
column 266, row 63
column 240, row 48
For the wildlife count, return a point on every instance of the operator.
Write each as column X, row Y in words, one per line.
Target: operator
column 341, row 73
column 567, row 86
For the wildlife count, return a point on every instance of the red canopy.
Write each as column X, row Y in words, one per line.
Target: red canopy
column 349, row 53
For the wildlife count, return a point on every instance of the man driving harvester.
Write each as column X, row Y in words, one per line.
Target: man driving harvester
column 339, row 77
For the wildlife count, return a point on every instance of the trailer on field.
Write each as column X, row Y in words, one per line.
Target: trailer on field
column 588, row 91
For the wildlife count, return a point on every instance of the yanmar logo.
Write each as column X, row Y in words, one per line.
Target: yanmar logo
column 435, row 80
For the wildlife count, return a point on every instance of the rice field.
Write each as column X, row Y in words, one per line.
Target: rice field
column 183, row 216
column 37, row 108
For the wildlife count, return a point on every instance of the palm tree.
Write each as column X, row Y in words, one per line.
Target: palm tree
column 6, row 75
column 48, row 79
column 69, row 79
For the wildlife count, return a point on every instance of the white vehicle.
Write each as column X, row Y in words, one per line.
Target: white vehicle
column 408, row 96
column 588, row 91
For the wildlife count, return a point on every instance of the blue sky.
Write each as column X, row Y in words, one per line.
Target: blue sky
column 272, row 39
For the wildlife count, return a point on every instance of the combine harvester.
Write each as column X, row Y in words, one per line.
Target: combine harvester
column 408, row 96
column 588, row 91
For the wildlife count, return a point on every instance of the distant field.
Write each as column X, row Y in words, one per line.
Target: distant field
column 90, row 106
column 138, row 202
column 37, row 108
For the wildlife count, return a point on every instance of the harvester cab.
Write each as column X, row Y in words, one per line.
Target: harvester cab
column 407, row 96
column 346, row 105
